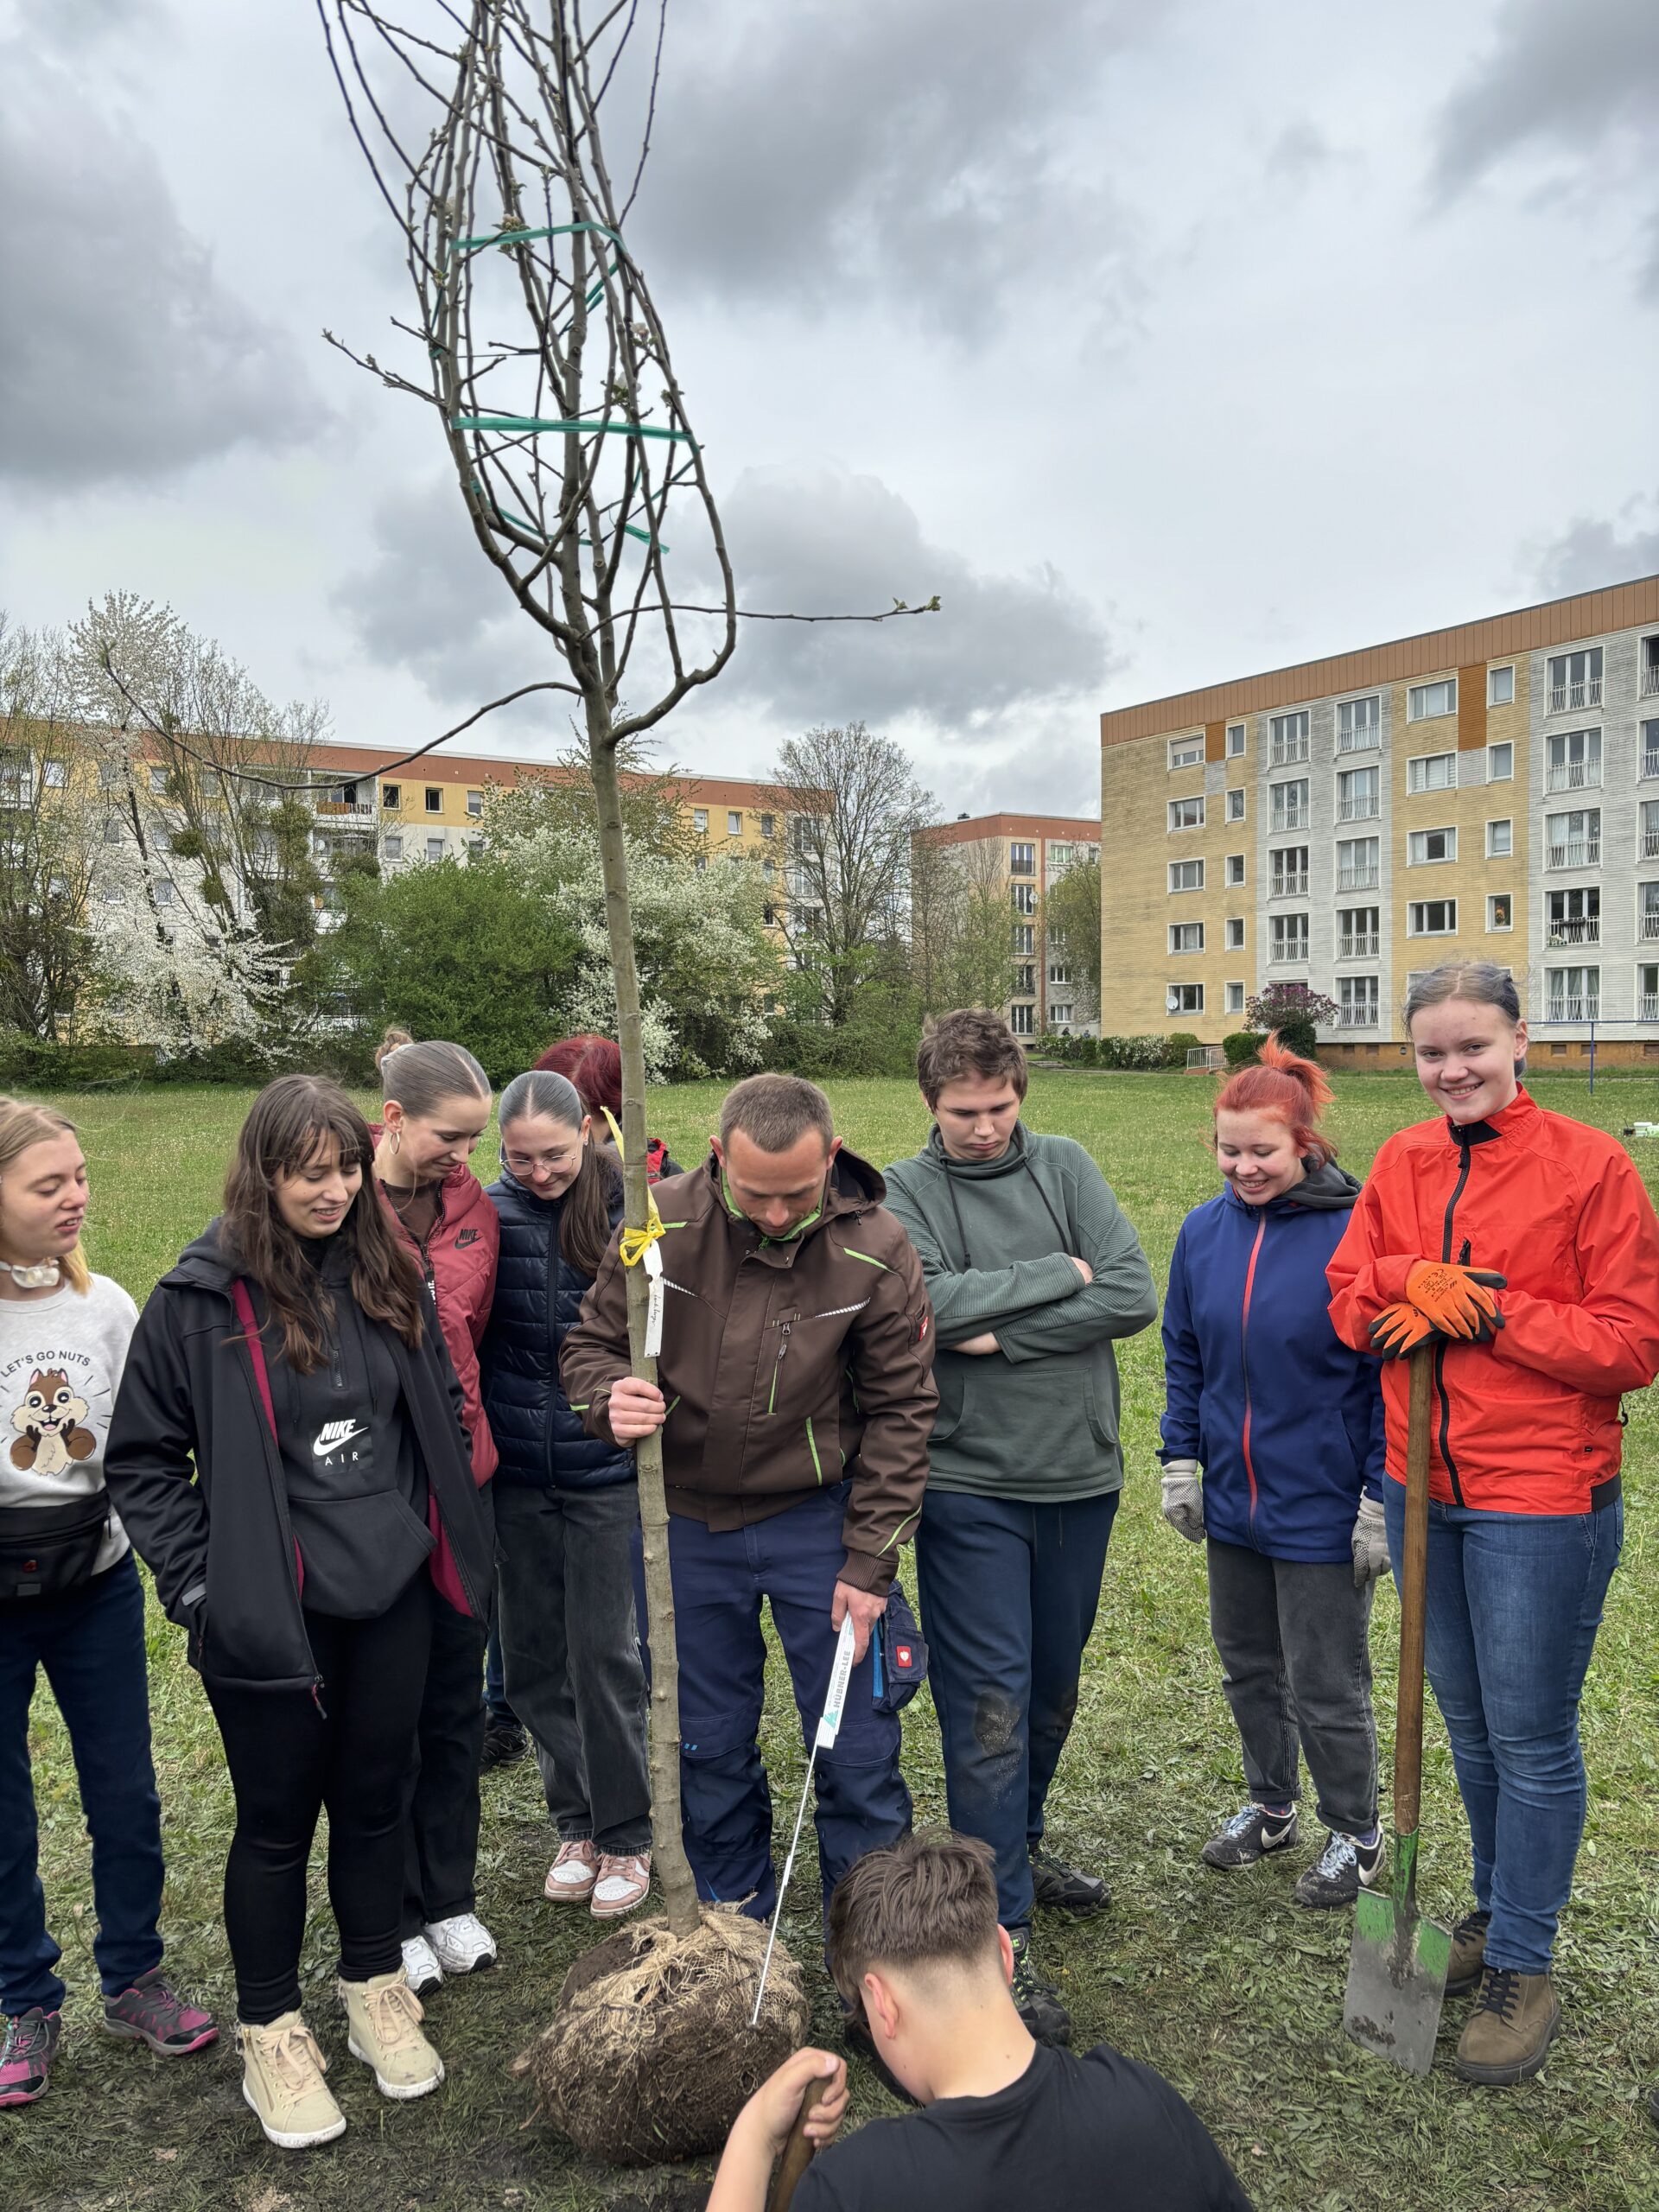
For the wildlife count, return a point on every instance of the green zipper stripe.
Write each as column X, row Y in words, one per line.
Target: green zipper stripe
column 812, row 1446
column 772, row 1395
column 868, row 1262
column 672, row 1404
column 897, row 1533
column 581, row 1408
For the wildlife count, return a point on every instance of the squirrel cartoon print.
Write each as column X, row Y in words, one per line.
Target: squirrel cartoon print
column 50, row 1424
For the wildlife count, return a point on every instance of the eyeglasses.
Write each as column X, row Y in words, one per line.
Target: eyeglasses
column 525, row 1165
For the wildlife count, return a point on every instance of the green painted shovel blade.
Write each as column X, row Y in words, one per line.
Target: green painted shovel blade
column 1397, row 1976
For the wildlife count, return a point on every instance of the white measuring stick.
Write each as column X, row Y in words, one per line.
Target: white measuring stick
column 828, row 1726
column 654, row 1301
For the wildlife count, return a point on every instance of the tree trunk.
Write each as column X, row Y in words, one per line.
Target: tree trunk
column 673, row 1868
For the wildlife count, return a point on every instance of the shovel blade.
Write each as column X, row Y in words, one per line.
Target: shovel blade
column 1396, row 1980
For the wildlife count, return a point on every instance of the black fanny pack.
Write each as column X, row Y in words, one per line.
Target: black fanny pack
column 901, row 1654
column 46, row 1550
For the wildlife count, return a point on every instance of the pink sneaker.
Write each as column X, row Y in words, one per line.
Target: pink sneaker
column 26, row 2056
column 151, row 2011
column 571, row 1877
column 621, row 1884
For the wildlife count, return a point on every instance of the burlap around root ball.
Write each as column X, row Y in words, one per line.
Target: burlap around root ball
column 649, row 2056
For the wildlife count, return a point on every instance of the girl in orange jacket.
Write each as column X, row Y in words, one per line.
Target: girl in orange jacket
column 1523, row 1248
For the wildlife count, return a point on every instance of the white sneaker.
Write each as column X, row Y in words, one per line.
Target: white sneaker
column 462, row 1943
column 421, row 1968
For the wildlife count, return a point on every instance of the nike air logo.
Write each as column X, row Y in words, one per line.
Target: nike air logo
column 334, row 1433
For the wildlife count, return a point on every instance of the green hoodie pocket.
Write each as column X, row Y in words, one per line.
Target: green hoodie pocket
column 1101, row 1427
column 951, row 1376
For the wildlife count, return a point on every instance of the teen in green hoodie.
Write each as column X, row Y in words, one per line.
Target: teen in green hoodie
column 1033, row 1271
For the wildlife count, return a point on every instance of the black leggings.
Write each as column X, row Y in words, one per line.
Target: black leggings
column 287, row 1762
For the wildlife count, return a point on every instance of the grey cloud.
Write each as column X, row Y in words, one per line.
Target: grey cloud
column 1590, row 553
column 123, row 355
column 1298, row 154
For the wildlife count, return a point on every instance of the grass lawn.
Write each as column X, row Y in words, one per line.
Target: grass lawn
column 1222, row 1983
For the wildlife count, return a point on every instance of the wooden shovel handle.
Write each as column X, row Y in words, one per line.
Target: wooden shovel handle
column 797, row 2150
column 1414, row 1583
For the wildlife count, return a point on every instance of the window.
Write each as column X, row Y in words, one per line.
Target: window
column 391, row 795
column 1647, row 994
column 113, row 829
column 1025, row 898
column 161, row 840
column 392, row 847
column 1234, row 806
column 700, row 863
column 1059, row 857
column 1025, row 938
column 1186, row 814
column 1648, row 842
column 1432, row 917
column 1359, row 723
column 1432, row 772
column 1573, row 994
column 733, row 821
column 769, row 914
column 1185, row 752
column 1500, row 763
column 1359, row 864
column 1425, row 846
column 475, row 803
column 1359, row 794
column 1025, row 978
column 1648, row 679
column 1289, row 738
column 434, row 799
column 1235, row 998
column 1183, row 998
column 1425, row 701
column 1022, row 859
column 1287, row 873
column 55, row 775
column 1500, row 841
column 1647, row 923
column 1186, row 875
column 1021, row 1019
column 769, row 869
column 1575, row 681
column 1575, row 917
column 700, row 819
column 1649, row 749
column 1574, row 760
column 1288, row 937
column 158, row 787
column 1187, row 937
column 1059, row 973
column 1574, row 840
column 1060, row 1015
column 768, row 824
column 1236, row 732
column 111, row 775
column 1234, row 868
column 1288, row 805
column 1500, row 687
column 163, row 890
column 1500, row 911
column 1236, row 933
column 1358, row 932
column 1356, row 1002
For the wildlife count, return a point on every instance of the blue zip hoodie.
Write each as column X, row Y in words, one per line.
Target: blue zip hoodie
column 1285, row 1420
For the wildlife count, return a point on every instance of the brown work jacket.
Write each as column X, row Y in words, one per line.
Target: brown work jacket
column 787, row 1366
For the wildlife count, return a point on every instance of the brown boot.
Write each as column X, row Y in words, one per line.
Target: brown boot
column 1509, row 2030
column 1468, row 1952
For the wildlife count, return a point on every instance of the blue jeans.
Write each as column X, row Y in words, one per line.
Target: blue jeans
column 792, row 1561
column 90, row 1642
column 1008, row 1593
column 1514, row 1600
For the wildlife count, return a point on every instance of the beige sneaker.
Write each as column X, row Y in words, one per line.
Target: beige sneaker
column 281, row 2079
column 622, row 1883
column 382, row 2020
column 571, row 1877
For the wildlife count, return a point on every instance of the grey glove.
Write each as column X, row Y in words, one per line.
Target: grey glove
column 1369, row 1542
column 1184, row 1499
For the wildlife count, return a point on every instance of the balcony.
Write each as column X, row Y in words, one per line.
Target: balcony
column 1359, row 810
column 1287, row 752
column 1292, row 885
column 1359, row 947
column 1579, row 929
column 1585, row 853
column 1574, row 776
column 1648, row 1005
column 1358, row 879
column 1649, row 844
column 1648, row 927
column 1289, row 817
column 1569, row 698
column 1291, row 955
column 344, row 809
column 1360, row 741
column 1566, row 1009
column 1356, row 1017
column 1649, row 684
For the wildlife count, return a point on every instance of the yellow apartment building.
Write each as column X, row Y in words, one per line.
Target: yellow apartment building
column 1487, row 792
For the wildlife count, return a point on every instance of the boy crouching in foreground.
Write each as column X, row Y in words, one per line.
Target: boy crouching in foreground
column 914, row 1943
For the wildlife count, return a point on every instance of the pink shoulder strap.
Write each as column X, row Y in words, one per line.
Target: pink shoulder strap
column 245, row 1313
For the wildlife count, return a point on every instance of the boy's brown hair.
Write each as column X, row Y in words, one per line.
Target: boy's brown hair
column 776, row 1111
column 967, row 1043
column 928, row 1900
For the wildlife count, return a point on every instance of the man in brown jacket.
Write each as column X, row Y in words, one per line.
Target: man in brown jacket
column 796, row 1404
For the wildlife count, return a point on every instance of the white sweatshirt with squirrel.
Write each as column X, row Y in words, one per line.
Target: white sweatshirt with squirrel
column 60, row 1363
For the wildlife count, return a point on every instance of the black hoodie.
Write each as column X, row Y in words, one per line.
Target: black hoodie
column 222, row 1547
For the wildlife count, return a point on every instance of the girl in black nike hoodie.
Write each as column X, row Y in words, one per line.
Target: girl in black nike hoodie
column 287, row 1455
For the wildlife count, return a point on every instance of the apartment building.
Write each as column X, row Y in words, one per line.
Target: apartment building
column 1020, row 857
column 1487, row 792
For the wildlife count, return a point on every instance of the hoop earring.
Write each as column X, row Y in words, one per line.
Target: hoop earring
column 397, row 1142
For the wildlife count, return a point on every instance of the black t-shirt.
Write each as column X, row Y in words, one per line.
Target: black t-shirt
column 1097, row 2131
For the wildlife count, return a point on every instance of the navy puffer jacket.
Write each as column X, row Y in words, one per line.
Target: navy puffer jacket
column 538, row 1298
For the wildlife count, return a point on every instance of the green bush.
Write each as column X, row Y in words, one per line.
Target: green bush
column 1085, row 1052
column 1177, row 1047
column 1242, row 1046
column 37, row 1063
column 1134, row 1052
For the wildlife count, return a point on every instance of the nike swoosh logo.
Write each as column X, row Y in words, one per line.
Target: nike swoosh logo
column 333, row 1437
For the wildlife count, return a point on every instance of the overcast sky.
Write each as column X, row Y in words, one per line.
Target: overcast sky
column 1165, row 342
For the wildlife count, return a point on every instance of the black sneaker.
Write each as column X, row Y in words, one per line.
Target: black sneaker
column 1248, row 1835
column 504, row 1745
column 855, row 2034
column 1037, row 2000
column 1346, row 1864
column 1067, row 1889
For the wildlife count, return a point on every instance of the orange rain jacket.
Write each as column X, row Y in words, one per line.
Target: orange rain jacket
column 1530, row 1423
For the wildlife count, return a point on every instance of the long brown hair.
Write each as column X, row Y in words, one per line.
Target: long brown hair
column 288, row 1124
column 22, row 1124
column 585, row 1230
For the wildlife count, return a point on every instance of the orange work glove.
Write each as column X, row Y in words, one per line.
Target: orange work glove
column 1398, row 1330
column 1457, row 1301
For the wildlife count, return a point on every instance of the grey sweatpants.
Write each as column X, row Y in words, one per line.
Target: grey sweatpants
column 1295, row 1642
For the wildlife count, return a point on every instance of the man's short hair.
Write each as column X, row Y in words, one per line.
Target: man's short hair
column 928, row 1900
column 967, row 1043
column 776, row 1111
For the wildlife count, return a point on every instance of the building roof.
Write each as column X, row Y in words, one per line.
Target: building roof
column 1431, row 653
column 442, row 767
column 977, row 827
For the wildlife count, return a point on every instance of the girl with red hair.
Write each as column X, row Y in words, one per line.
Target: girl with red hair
column 1273, row 1450
column 594, row 1065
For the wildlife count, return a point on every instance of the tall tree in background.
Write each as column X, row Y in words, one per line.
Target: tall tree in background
column 1070, row 923
column 48, row 851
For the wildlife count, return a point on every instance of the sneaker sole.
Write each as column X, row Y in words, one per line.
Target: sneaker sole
column 1505, row 2077
column 292, row 2142
column 1265, row 1851
column 618, row 1912
column 427, row 1988
column 125, row 2032
column 401, row 2093
column 454, row 1971
column 11, row 2097
column 563, row 1895
column 1079, row 1908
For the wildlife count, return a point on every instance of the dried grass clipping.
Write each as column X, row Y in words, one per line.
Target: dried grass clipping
column 649, row 2056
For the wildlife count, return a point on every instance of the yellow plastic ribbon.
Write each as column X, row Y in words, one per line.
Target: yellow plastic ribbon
column 634, row 1244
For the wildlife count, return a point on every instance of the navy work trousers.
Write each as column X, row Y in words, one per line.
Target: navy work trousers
column 792, row 1561
column 1008, row 1593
